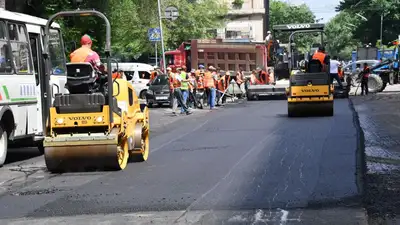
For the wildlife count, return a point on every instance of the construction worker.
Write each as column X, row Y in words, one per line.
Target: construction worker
column 192, row 89
column 86, row 54
column 364, row 79
column 209, row 85
column 240, row 81
column 253, row 78
column 220, row 87
column 322, row 57
column 227, row 79
column 263, row 75
column 334, row 70
column 175, row 87
column 184, row 85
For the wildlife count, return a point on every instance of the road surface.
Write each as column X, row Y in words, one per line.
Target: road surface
column 247, row 163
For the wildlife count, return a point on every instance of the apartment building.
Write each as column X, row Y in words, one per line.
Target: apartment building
column 245, row 22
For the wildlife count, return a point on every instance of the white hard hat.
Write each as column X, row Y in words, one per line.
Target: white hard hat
column 268, row 32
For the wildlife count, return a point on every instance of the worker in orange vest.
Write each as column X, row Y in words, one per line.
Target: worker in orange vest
column 253, row 78
column 263, row 75
column 322, row 57
column 210, row 77
column 86, row 54
column 175, row 82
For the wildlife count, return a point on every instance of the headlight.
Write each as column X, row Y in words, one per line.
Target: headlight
column 99, row 119
column 60, row 120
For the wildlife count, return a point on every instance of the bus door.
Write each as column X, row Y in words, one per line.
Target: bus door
column 38, row 63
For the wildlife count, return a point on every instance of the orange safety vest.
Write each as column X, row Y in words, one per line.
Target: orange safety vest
column 153, row 75
column 254, row 80
column 221, row 83
column 320, row 56
column 80, row 55
column 209, row 80
column 227, row 81
column 174, row 83
column 200, row 82
column 116, row 75
column 264, row 77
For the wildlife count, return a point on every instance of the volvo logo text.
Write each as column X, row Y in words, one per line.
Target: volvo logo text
column 309, row 90
column 80, row 117
column 298, row 26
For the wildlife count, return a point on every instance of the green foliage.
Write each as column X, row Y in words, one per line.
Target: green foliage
column 340, row 31
column 283, row 13
column 194, row 20
column 369, row 31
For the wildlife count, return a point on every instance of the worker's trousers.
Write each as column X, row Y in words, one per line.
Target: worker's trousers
column 364, row 86
column 211, row 97
column 337, row 78
column 178, row 98
column 185, row 97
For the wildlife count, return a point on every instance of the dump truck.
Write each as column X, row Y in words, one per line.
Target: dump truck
column 228, row 55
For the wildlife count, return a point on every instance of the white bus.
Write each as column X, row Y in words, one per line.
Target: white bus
column 21, row 64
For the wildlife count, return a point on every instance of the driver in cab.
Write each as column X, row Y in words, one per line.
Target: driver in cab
column 86, row 54
column 321, row 56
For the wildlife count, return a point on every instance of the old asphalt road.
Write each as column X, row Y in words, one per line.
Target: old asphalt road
column 208, row 168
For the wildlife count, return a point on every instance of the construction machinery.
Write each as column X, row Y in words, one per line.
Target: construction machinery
column 310, row 92
column 100, row 124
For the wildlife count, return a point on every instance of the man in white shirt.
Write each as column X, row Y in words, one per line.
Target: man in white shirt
column 334, row 70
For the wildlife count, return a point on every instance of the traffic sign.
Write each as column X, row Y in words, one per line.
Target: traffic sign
column 171, row 12
column 154, row 34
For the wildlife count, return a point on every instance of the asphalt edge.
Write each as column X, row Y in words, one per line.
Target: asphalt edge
column 361, row 165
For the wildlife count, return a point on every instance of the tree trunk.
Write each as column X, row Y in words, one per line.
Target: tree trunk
column 3, row 4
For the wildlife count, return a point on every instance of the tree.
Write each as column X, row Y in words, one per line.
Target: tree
column 194, row 20
column 369, row 31
column 340, row 31
column 283, row 13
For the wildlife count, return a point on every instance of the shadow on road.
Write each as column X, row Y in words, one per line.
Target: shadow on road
column 21, row 154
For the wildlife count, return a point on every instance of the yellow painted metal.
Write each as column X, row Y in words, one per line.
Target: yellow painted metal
column 310, row 99
column 78, row 119
column 310, row 90
column 65, row 151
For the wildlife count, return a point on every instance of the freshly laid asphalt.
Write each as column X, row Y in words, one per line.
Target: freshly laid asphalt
column 246, row 163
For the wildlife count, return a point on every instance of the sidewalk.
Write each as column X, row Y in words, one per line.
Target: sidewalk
column 379, row 117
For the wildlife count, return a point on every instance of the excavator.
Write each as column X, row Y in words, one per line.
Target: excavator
column 310, row 90
column 100, row 123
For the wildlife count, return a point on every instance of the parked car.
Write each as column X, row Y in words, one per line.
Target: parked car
column 138, row 74
column 158, row 91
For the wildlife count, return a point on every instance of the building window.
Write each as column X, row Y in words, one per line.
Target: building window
column 5, row 56
column 20, row 48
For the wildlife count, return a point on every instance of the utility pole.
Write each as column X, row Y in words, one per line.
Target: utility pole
column 164, row 66
column 381, row 33
column 266, row 17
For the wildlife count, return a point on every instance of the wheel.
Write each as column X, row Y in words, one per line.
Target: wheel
column 291, row 110
column 142, row 134
column 123, row 154
column 142, row 94
column 3, row 145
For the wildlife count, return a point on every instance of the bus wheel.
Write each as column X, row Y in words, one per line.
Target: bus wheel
column 3, row 145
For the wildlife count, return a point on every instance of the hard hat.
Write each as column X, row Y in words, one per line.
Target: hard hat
column 86, row 40
column 211, row 68
column 201, row 66
column 169, row 68
column 268, row 32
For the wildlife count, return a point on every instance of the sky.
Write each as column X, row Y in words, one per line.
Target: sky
column 321, row 8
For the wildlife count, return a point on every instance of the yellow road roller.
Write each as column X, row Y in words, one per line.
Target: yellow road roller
column 99, row 124
column 310, row 94
column 310, row 91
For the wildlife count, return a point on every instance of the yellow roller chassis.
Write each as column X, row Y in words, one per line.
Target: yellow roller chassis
column 75, row 143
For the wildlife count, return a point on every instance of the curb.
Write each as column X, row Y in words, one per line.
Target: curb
column 361, row 166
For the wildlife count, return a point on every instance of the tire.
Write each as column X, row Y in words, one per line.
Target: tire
column 3, row 145
column 375, row 83
column 142, row 94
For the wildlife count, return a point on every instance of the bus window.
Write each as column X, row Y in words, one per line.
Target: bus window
column 5, row 57
column 20, row 48
column 56, row 53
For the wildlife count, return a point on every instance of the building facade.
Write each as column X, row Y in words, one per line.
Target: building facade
column 245, row 22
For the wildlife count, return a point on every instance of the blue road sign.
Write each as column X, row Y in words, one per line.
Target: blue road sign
column 154, row 34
